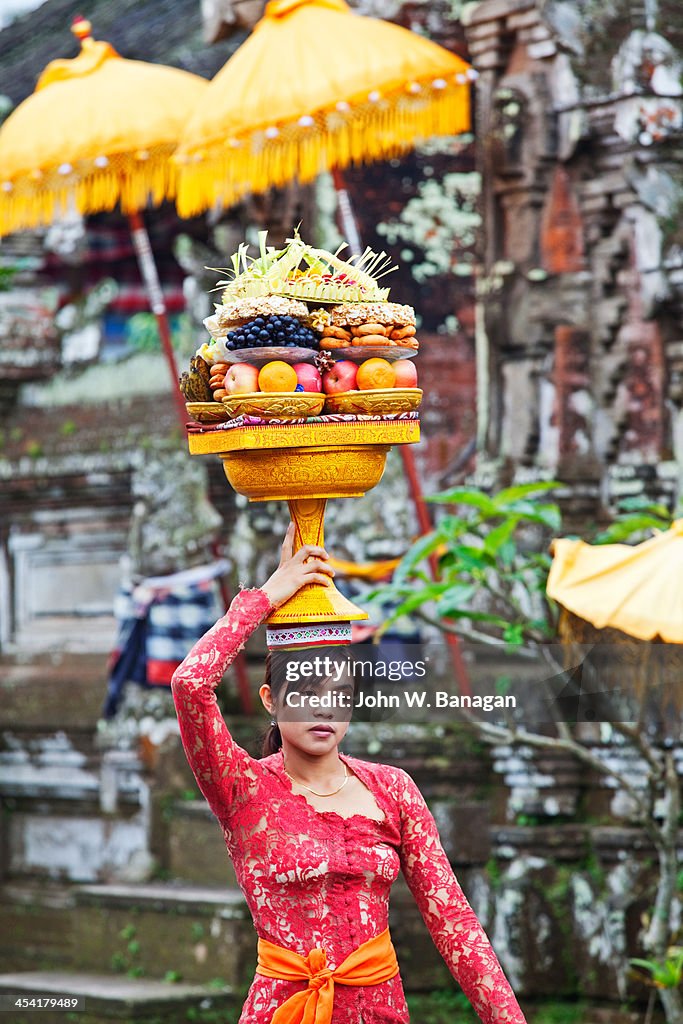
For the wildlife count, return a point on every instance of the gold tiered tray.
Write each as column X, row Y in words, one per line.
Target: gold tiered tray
column 305, row 464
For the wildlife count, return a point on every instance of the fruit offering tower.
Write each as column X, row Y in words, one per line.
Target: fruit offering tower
column 306, row 382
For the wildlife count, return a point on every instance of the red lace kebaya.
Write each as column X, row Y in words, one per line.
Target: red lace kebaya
column 316, row 878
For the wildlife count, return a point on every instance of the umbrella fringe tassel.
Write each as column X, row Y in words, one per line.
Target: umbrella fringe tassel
column 132, row 180
column 228, row 170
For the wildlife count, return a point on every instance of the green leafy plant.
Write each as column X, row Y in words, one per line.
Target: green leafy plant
column 444, row 1006
column 491, row 585
column 118, row 963
column 6, row 278
column 142, row 333
column 490, row 560
column 635, row 519
column 666, row 973
column 124, row 961
column 34, row 449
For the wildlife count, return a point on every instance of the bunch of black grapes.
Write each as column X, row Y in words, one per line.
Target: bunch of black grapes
column 266, row 331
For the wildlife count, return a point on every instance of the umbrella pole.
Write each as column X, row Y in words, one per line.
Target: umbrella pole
column 349, row 226
column 150, row 276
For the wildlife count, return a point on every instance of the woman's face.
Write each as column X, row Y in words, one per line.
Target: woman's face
column 312, row 715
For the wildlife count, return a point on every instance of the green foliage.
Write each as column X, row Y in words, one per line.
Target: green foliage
column 444, row 1006
column 118, row 963
column 34, row 449
column 205, row 1015
column 173, row 976
column 494, row 873
column 124, row 961
column 594, row 869
column 559, row 1013
column 481, row 552
column 635, row 519
column 452, row 1007
column 142, row 333
column 528, row 820
column 492, row 564
column 666, row 973
column 6, row 278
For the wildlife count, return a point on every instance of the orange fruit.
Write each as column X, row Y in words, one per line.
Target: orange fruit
column 277, row 376
column 375, row 373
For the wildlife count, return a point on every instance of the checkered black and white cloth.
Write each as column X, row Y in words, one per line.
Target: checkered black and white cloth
column 159, row 621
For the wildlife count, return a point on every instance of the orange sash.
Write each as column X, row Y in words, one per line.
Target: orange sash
column 373, row 962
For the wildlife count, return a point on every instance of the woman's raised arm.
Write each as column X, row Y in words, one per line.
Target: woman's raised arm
column 221, row 767
column 452, row 923
column 219, row 764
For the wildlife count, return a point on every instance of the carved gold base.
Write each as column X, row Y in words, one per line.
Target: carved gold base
column 305, row 464
column 326, row 471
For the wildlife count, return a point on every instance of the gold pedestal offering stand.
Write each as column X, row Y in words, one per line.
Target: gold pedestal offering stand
column 305, row 464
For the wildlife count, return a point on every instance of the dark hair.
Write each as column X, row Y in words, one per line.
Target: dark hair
column 276, row 660
column 272, row 740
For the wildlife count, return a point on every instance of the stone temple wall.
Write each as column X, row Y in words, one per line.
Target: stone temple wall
column 579, row 127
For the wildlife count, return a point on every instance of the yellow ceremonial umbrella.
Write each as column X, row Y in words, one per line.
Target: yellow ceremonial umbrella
column 637, row 589
column 316, row 87
column 98, row 130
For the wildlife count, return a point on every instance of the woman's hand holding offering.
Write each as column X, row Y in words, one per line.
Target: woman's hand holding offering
column 308, row 565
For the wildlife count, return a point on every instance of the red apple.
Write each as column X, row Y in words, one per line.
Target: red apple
column 241, row 379
column 406, row 373
column 308, row 376
column 341, row 378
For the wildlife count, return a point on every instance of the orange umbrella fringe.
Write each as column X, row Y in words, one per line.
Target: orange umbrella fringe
column 127, row 179
column 227, row 171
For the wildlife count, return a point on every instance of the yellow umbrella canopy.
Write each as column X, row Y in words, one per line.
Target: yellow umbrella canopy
column 316, row 86
column 98, row 130
column 636, row 589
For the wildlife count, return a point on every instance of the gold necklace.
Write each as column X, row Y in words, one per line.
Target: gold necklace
column 315, row 793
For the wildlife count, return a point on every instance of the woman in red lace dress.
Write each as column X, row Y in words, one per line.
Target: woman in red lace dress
column 317, row 878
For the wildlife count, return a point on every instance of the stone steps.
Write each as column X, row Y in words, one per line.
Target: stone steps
column 197, row 934
column 36, row 928
column 194, row 846
column 111, row 998
column 72, row 817
column 200, row 933
column 48, row 691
